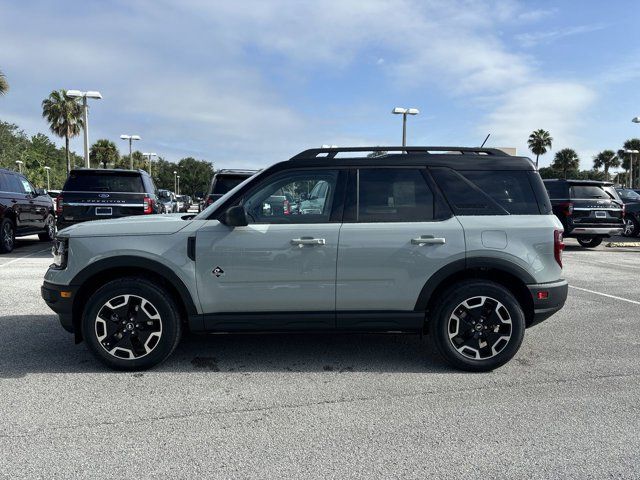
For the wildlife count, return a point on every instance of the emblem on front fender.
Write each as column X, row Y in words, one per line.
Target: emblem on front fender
column 218, row 272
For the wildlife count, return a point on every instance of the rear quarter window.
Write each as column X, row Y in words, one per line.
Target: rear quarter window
column 510, row 189
column 556, row 190
column 83, row 182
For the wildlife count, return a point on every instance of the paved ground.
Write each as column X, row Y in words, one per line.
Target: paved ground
column 366, row 406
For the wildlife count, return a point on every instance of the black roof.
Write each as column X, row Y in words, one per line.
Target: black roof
column 459, row 158
column 578, row 182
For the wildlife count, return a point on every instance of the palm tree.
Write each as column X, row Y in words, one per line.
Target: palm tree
column 4, row 85
column 104, row 151
column 628, row 158
column 539, row 141
column 607, row 159
column 566, row 159
column 64, row 115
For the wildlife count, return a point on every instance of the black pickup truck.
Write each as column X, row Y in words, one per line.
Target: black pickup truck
column 589, row 210
column 96, row 194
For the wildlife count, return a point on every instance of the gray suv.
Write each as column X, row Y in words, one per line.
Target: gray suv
column 457, row 243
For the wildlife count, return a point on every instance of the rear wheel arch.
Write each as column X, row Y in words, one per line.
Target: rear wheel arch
column 99, row 273
column 512, row 277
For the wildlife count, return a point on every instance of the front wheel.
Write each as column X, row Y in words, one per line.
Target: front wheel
column 631, row 227
column 477, row 325
column 131, row 324
column 589, row 242
column 49, row 229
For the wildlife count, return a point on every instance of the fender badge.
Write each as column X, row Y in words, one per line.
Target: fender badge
column 218, row 272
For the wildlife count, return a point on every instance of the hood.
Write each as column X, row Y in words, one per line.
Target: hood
column 136, row 225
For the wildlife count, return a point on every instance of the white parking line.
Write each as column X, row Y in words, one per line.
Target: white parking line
column 26, row 256
column 605, row 295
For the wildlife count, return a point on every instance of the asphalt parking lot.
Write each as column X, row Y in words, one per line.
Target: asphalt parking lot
column 362, row 406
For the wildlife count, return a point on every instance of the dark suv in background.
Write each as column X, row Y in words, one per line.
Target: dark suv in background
column 97, row 194
column 24, row 210
column 589, row 210
column 223, row 181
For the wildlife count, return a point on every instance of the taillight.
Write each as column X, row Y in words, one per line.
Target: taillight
column 148, row 205
column 558, row 246
column 59, row 205
column 287, row 207
column 209, row 200
column 567, row 208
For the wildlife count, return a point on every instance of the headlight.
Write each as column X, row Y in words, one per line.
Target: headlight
column 59, row 252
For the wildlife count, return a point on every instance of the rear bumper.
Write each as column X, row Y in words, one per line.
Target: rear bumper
column 556, row 296
column 596, row 231
column 63, row 306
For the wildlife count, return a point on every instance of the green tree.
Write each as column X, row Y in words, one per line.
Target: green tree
column 64, row 115
column 4, row 85
column 566, row 160
column 139, row 161
column 104, row 152
column 539, row 141
column 606, row 159
column 631, row 144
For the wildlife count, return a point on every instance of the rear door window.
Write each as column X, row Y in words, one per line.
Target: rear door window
column 393, row 195
column 92, row 182
column 12, row 183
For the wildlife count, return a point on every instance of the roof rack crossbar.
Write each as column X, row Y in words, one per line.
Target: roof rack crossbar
column 333, row 151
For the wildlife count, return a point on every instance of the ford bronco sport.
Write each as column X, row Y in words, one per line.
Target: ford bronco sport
column 457, row 243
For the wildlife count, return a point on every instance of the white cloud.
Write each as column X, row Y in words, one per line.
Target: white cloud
column 532, row 39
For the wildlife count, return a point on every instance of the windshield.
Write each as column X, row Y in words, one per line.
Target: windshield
column 207, row 211
column 628, row 194
column 225, row 183
column 103, row 182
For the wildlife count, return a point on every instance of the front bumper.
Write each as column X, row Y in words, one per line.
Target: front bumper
column 59, row 302
column 596, row 231
column 543, row 308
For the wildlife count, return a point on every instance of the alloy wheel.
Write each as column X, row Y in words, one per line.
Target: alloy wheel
column 629, row 227
column 128, row 327
column 480, row 328
column 7, row 236
column 50, row 226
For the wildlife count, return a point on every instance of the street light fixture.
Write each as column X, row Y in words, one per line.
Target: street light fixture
column 85, row 113
column 404, row 112
column 47, row 170
column 19, row 163
column 635, row 119
column 149, row 155
column 131, row 138
column 631, row 154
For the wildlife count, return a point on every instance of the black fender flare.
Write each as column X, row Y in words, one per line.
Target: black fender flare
column 468, row 264
column 133, row 262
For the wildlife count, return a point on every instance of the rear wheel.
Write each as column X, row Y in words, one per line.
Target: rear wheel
column 631, row 227
column 131, row 324
column 477, row 325
column 49, row 229
column 7, row 236
column 589, row 242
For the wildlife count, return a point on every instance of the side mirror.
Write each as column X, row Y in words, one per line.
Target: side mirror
column 236, row 217
column 40, row 192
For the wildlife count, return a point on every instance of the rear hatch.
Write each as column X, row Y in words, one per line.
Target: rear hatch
column 595, row 205
column 95, row 195
column 223, row 183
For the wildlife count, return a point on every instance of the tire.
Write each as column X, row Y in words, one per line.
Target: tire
column 486, row 306
column 50, row 229
column 7, row 235
column 131, row 324
column 631, row 227
column 589, row 242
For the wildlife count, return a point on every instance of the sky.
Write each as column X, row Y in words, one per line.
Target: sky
column 247, row 83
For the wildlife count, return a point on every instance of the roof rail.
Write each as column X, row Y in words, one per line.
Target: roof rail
column 333, row 151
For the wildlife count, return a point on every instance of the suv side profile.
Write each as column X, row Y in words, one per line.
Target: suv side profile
column 458, row 243
column 24, row 210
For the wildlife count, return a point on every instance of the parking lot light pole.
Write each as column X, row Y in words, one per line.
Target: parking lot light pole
column 47, row 170
column 131, row 138
column 149, row 155
column 175, row 181
column 404, row 112
column 178, row 189
column 85, row 114
column 631, row 154
column 19, row 163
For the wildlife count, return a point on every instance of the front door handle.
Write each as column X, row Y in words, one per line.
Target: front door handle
column 302, row 241
column 428, row 240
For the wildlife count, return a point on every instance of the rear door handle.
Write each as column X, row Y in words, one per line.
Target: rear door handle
column 302, row 241
column 428, row 240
